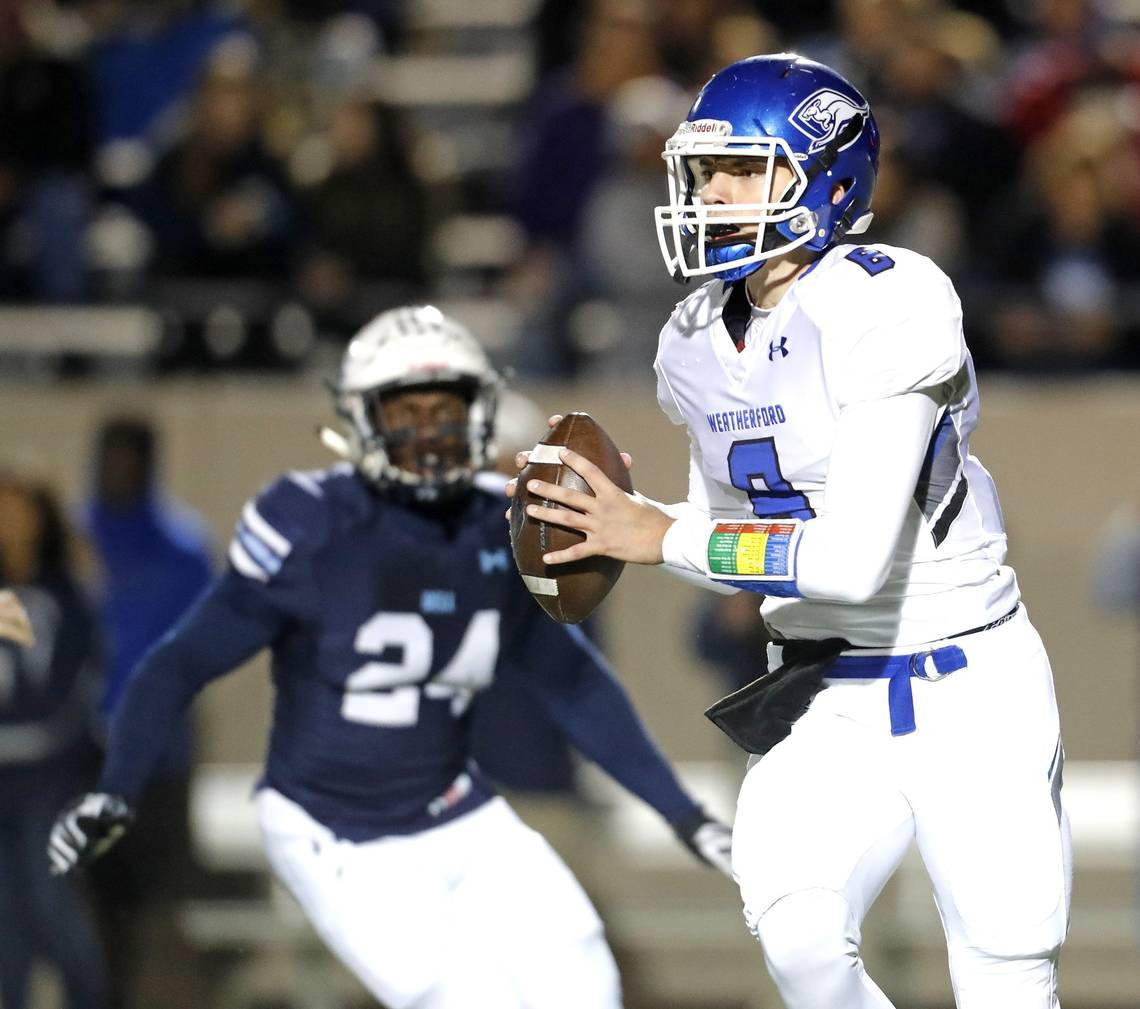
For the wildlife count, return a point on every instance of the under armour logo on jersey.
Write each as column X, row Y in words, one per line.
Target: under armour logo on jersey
column 493, row 560
column 781, row 348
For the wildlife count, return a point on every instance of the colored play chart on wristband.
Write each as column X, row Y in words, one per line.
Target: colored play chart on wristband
column 757, row 549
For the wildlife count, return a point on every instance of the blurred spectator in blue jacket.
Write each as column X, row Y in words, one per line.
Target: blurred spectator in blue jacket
column 46, row 710
column 155, row 560
column 154, row 554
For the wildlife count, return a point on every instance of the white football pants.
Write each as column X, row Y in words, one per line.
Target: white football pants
column 479, row 913
column 826, row 816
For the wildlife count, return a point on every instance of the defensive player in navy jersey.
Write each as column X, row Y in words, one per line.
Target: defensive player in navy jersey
column 385, row 590
column 829, row 399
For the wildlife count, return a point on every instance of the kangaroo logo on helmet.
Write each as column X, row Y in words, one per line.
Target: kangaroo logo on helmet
column 823, row 114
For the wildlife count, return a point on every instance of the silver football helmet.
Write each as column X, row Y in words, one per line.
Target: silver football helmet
column 406, row 349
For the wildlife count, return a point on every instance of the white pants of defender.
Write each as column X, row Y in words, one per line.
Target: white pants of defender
column 826, row 816
column 479, row 913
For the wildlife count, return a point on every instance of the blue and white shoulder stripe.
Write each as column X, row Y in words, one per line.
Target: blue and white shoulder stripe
column 257, row 549
column 293, row 516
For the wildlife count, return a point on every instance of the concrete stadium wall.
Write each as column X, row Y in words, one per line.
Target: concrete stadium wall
column 1063, row 456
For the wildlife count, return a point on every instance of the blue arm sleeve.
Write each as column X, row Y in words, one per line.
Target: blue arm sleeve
column 574, row 684
column 224, row 628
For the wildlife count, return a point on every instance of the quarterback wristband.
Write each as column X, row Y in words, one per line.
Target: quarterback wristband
column 757, row 555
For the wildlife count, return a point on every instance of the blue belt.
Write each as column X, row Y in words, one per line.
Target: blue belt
column 931, row 664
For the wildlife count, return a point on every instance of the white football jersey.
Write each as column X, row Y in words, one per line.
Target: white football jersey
column 864, row 323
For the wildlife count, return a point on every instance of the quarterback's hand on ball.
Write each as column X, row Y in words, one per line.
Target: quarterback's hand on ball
column 616, row 524
column 708, row 839
column 522, row 458
column 14, row 622
column 86, row 828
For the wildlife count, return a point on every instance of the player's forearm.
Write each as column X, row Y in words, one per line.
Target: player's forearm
column 596, row 716
column 216, row 636
column 608, row 732
column 148, row 713
column 846, row 553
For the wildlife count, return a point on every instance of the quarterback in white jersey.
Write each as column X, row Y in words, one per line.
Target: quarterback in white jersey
column 763, row 422
column 829, row 399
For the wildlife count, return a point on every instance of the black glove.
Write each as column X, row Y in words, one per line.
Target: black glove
column 708, row 839
column 86, row 828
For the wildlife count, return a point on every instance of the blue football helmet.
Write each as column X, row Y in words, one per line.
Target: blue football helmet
column 779, row 108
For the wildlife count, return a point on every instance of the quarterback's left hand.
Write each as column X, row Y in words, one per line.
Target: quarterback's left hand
column 708, row 839
column 616, row 524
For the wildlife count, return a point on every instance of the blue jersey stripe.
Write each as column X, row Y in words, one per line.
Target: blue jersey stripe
column 258, row 550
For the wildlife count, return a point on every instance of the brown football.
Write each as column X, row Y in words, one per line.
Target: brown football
column 568, row 592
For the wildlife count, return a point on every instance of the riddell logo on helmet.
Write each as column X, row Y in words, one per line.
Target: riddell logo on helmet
column 714, row 127
column 823, row 114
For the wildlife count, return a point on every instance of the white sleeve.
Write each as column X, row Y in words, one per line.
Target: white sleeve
column 680, row 566
column 845, row 554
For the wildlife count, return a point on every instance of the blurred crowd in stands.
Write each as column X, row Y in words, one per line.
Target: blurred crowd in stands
column 264, row 175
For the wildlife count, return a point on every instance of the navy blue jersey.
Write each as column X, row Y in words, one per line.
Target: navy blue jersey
column 384, row 621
